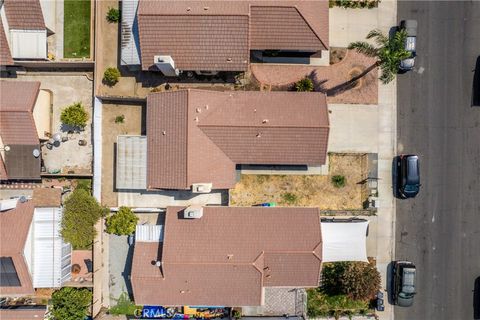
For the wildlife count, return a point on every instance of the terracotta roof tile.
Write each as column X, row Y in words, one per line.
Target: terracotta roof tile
column 18, row 95
column 218, row 35
column 281, row 28
column 23, row 314
column 196, row 42
column 17, row 128
column 218, row 130
column 47, row 197
column 227, row 256
column 5, row 55
column 3, row 171
column 24, row 14
column 14, row 227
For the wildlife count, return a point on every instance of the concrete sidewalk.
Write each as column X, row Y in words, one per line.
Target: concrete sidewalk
column 346, row 26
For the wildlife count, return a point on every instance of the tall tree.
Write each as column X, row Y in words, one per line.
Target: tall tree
column 389, row 52
column 81, row 213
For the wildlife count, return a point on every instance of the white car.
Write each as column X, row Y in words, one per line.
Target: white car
column 410, row 44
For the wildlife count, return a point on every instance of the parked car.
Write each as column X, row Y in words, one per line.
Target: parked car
column 410, row 44
column 409, row 176
column 476, row 85
column 404, row 273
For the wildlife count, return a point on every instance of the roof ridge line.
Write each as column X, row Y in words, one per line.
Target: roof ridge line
column 310, row 26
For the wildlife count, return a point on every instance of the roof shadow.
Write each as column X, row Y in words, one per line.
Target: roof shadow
column 476, row 85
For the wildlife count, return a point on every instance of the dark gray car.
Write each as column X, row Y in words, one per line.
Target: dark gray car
column 404, row 274
column 410, row 26
column 409, row 176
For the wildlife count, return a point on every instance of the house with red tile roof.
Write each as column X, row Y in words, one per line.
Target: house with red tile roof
column 23, row 122
column 33, row 255
column 23, row 31
column 227, row 256
column 199, row 137
column 212, row 35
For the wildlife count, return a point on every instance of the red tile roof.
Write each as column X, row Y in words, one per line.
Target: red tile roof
column 227, row 256
column 14, row 227
column 198, row 136
column 276, row 27
column 218, row 35
column 23, row 313
column 17, row 128
column 24, row 14
column 5, row 55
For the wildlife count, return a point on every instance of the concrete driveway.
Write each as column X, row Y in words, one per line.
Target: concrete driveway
column 119, row 264
column 353, row 128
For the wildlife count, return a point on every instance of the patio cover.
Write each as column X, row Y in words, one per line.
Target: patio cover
column 344, row 241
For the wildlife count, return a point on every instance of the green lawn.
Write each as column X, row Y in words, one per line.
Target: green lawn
column 76, row 28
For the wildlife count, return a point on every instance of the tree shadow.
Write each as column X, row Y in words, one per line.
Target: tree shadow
column 476, row 84
column 350, row 84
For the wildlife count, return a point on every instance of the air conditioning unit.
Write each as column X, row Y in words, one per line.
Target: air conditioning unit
column 201, row 187
column 193, row 212
column 166, row 65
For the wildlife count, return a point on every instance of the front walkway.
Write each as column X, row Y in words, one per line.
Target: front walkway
column 333, row 80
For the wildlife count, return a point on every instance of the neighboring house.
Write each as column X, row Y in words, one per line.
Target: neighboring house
column 33, row 254
column 226, row 256
column 23, row 313
column 24, row 29
column 196, row 138
column 211, row 36
column 24, row 120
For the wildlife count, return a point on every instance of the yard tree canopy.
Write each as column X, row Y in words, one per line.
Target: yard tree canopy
column 122, row 223
column 74, row 115
column 358, row 280
column 70, row 303
column 81, row 213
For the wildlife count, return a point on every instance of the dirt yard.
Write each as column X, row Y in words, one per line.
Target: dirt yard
column 307, row 190
column 132, row 124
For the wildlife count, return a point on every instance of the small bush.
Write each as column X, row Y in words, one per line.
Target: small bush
column 84, row 184
column 236, row 314
column 113, row 15
column 122, row 223
column 304, row 84
column 74, row 115
column 124, row 306
column 339, row 181
column 289, row 197
column 120, row 119
column 111, row 76
column 70, row 303
column 352, row 4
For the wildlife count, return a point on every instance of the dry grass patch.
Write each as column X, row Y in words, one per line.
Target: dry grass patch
column 307, row 190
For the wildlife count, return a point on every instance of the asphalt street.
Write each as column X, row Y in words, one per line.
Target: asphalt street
column 440, row 229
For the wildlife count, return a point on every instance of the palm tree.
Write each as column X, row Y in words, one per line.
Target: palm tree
column 389, row 52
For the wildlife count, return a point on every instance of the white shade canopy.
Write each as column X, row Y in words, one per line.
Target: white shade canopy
column 344, row 241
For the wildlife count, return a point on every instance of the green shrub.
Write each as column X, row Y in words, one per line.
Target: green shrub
column 81, row 213
column 289, row 197
column 236, row 314
column 84, row 184
column 74, row 115
column 339, row 181
column 124, row 306
column 70, row 303
column 122, row 223
column 357, row 280
column 111, row 76
column 322, row 305
column 120, row 119
column 113, row 15
column 304, row 84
